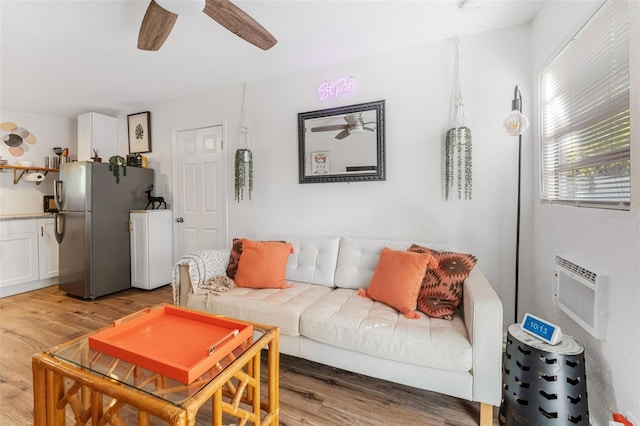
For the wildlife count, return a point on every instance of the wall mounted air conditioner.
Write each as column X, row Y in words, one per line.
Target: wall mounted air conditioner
column 581, row 293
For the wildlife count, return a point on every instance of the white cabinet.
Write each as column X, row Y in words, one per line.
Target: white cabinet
column 18, row 252
column 28, row 255
column 151, row 248
column 97, row 131
column 47, row 249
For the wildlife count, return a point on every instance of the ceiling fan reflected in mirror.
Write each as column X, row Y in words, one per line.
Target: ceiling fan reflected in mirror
column 158, row 22
column 355, row 124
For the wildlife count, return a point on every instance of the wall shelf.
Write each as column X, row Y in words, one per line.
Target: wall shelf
column 19, row 171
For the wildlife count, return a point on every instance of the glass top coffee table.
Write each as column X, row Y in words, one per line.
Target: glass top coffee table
column 93, row 387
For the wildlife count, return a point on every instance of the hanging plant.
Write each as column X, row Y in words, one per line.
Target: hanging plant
column 243, row 173
column 458, row 153
column 116, row 163
column 244, row 156
column 458, row 144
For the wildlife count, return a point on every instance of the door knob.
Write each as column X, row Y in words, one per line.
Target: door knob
column 179, row 219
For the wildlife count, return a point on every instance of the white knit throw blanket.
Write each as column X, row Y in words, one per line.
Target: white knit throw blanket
column 207, row 273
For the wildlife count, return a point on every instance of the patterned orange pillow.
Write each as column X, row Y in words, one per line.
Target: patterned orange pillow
column 441, row 289
column 234, row 258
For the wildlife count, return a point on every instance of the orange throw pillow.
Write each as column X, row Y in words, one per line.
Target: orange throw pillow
column 234, row 257
column 441, row 290
column 263, row 264
column 397, row 278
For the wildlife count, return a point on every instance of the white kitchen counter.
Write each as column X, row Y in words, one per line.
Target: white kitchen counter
column 24, row 216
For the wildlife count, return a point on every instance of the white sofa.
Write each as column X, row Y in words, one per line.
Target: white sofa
column 323, row 319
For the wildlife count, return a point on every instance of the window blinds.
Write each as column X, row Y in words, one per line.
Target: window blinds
column 585, row 136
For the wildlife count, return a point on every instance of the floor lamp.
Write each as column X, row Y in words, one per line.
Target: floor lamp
column 515, row 125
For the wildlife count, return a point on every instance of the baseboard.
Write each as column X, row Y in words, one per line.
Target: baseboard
column 29, row 286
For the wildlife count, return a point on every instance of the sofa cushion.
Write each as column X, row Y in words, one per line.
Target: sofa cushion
column 358, row 259
column 344, row 319
column 397, row 278
column 441, row 290
column 279, row 307
column 263, row 264
column 313, row 260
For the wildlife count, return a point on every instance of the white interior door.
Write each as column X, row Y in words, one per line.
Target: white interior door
column 200, row 194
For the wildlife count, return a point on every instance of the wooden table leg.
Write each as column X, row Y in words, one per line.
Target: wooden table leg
column 255, row 391
column 54, row 384
column 86, row 391
column 96, row 407
column 216, row 408
column 39, row 394
column 143, row 418
column 274, row 377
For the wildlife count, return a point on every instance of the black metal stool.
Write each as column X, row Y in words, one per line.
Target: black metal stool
column 543, row 384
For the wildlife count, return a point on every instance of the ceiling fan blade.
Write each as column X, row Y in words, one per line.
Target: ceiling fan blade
column 351, row 119
column 371, row 129
column 238, row 22
column 156, row 27
column 330, row 127
column 343, row 134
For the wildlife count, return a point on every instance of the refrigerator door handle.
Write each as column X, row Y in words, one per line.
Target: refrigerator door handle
column 58, row 194
column 58, row 221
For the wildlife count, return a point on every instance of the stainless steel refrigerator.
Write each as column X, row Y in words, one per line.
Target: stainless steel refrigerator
column 92, row 226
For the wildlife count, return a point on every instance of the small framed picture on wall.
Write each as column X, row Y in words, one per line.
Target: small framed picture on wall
column 139, row 132
column 320, row 164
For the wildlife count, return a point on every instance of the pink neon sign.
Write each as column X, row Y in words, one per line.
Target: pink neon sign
column 335, row 88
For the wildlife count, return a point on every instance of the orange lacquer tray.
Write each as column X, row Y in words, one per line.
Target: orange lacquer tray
column 175, row 342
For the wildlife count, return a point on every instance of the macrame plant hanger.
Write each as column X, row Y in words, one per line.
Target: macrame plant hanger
column 244, row 157
column 458, row 145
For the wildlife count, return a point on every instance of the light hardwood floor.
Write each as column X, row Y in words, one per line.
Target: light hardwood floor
column 310, row 393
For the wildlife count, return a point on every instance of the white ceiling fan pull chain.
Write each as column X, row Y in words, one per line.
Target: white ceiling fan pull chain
column 458, row 100
column 244, row 120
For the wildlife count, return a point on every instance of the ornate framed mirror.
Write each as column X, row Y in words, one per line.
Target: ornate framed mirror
column 343, row 144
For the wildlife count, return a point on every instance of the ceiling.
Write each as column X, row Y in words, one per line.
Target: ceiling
column 63, row 58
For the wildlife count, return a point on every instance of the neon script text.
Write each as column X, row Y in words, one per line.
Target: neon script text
column 334, row 89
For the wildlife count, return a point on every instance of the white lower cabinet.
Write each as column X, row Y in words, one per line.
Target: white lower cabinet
column 28, row 255
column 18, row 252
column 47, row 249
column 151, row 238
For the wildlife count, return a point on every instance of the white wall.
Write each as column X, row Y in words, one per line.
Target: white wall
column 26, row 197
column 602, row 239
column 416, row 84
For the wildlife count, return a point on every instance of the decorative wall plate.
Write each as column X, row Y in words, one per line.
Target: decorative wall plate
column 16, row 138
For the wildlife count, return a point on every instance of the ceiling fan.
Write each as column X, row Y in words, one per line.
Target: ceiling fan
column 354, row 125
column 158, row 23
